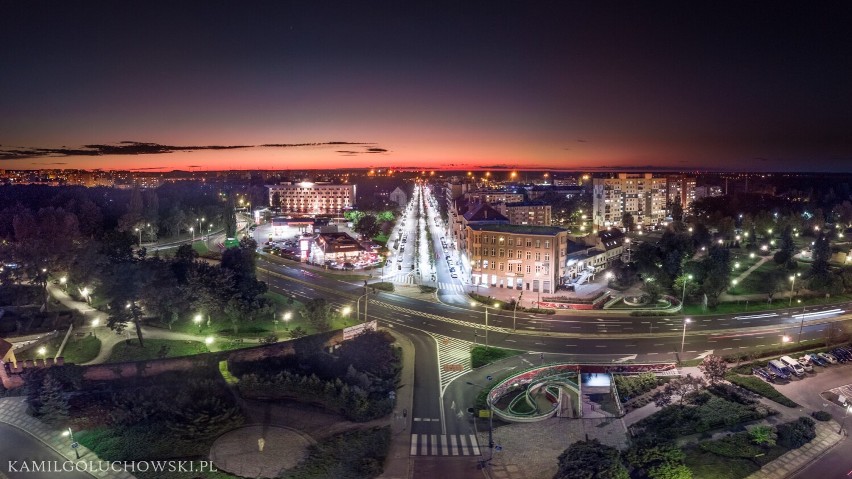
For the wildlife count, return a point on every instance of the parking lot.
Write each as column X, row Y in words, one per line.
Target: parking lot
column 808, row 389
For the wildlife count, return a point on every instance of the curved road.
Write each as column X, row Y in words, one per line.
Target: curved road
column 18, row 447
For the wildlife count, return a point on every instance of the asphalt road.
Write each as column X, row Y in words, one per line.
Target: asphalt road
column 17, row 447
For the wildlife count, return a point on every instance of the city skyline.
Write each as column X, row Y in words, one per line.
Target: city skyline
column 454, row 87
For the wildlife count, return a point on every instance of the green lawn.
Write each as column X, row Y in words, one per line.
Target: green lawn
column 154, row 349
column 742, row 306
column 77, row 350
column 480, row 355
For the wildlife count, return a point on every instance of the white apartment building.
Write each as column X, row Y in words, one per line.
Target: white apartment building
column 308, row 198
column 640, row 194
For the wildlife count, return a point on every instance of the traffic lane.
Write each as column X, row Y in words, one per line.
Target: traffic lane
column 543, row 323
column 835, row 463
column 426, row 413
column 18, row 447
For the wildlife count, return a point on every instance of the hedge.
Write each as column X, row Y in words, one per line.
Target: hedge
column 480, row 355
column 356, row 454
column 757, row 385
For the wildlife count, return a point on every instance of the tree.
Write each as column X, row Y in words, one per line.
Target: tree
column 317, row 312
column 821, row 256
column 229, row 217
column 134, row 215
column 628, row 222
column 652, row 289
column 786, row 247
column 53, row 407
column 717, row 267
column 658, row 460
column 590, row 460
column 367, row 226
column 677, row 211
column 714, row 368
column 763, row 435
column 701, row 235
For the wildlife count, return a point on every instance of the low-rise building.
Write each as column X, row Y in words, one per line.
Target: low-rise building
column 337, row 247
column 593, row 253
column 522, row 257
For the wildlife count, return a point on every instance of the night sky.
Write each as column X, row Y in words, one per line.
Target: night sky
column 716, row 85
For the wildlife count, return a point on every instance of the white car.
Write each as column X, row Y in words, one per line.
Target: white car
column 828, row 357
column 454, row 275
column 806, row 364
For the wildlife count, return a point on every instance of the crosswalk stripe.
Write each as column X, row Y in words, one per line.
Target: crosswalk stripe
column 475, row 445
column 444, row 445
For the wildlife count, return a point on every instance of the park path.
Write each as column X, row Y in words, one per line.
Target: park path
column 109, row 338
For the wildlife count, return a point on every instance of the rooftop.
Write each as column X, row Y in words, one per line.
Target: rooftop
column 518, row 229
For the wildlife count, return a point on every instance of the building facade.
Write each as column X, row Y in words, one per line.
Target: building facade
column 642, row 195
column 526, row 213
column 681, row 189
column 525, row 258
column 311, row 198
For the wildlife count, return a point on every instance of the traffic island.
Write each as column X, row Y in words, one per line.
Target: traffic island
column 259, row 451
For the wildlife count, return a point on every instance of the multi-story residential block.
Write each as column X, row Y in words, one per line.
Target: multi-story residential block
column 641, row 195
column 526, row 212
column 399, row 197
column 681, row 189
column 527, row 258
column 494, row 196
column 311, row 198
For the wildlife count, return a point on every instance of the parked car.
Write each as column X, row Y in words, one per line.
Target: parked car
column 842, row 353
column 817, row 360
column 806, row 364
column 779, row 368
column 828, row 357
column 839, row 355
column 762, row 374
column 793, row 365
column 454, row 275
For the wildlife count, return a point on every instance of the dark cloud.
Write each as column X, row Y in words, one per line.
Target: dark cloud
column 146, row 148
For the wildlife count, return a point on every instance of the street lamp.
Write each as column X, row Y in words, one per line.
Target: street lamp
column 64, row 282
column 192, row 230
column 683, row 293
column 85, row 292
column 844, row 419
column 95, row 323
column 42, row 351
column 287, row 317
column 208, row 340
column 345, row 311
column 496, row 305
column 490, row 420
column 792, row 285
column 140, row 236
column 74, row 444
column 515, row 312
column 683, row 339
column 197, row 320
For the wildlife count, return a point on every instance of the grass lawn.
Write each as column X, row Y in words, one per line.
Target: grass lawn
column 706, row 465
column 154, row 349
column 200, row 247
column 480, row 355
column 77, row 350
column 761, row 305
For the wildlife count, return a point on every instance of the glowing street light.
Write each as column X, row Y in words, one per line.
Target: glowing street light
column 42, row 351
column 683, row 293
column 683, row 339
column 197, row 320
column 208, row 340
column 792, row 285
column 287, row 317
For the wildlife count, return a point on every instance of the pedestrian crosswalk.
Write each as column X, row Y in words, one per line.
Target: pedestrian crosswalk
column 400, row 278
column 453, row 358
column 455, row 287
column 444, row 445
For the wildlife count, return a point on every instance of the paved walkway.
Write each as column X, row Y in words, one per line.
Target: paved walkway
column 398, row 464
column 13, row 411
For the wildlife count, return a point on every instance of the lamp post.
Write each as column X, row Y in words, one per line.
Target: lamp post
column 683, row 293
column 490, row 421
column 287, row 317
column 139, row 230
column 683, row 338
column 843, row 422
column 784, row 340
column 792, row 285
column 515, row 312
column 197, row 320
column 74, row 444
column 345, row 312
column 85, row 293
column 64, row 282
column 95, row 323
column 192, row 230
column 496, row 305
column 801, row 324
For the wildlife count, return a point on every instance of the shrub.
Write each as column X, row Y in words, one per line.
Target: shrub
column 383, row 286
column 735, row 445
column 757, row 385
column 796, row 434
column 353, row 454
column 632, row 386
column 821, row 415
column 427, row 289
column 480, row 355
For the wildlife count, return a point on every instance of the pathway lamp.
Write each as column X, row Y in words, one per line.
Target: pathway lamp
column 683, row 339
column 197, row 320
column 792, row 285
column 683, row 293
column 70, row 433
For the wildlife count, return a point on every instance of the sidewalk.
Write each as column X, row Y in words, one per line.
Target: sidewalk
column 795, row 460
column 398, row 464
column 13, row 411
